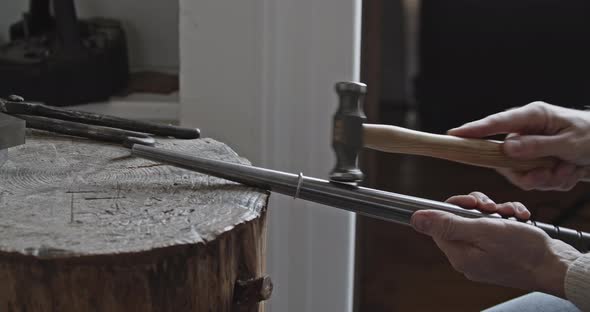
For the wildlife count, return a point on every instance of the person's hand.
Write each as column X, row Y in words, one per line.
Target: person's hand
column 481, row 202
column 498, row 251
column 539, row 130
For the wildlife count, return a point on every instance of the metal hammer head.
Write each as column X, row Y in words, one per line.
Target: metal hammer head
column 12, row 133
column 347, row 134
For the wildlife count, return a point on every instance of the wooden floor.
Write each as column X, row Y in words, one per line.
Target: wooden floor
column 400, row 270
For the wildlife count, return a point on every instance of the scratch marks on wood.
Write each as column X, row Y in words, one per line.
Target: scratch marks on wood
column 72, row 210
column 128, row 205
column 80, row 192
column 103, row 198
column 117, row 197
column 146, row 166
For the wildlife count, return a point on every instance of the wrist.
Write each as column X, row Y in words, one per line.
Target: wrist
column 551, row 274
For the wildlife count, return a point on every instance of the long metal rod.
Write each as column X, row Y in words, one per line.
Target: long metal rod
column 365, row 201
column 17, row 106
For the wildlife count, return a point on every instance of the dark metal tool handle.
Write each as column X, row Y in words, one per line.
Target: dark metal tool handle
column 25, row 108
column 66, row 25
column 124, row 137
column 117, row 122
column 366, row 201
column 579, row 240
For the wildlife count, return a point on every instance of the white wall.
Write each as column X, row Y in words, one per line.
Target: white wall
column 151, row 27
column 259, row 75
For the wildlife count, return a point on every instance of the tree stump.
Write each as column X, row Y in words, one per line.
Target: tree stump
column 84, row 226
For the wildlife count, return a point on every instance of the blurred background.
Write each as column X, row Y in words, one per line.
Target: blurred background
column 259, row 74
column 434, row 65
column 83, row 53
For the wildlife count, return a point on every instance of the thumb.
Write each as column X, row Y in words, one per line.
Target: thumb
column 535, row 146
column 442, row 225
column 531, row 118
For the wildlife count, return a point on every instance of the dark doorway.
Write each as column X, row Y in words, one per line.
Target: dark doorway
column 433, row 65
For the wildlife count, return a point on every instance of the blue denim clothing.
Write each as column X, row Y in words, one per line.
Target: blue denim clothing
column 535, row 302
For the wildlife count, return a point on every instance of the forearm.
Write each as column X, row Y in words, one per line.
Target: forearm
column 577, row 282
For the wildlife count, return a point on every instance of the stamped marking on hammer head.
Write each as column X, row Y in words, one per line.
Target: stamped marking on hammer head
column 347, row 132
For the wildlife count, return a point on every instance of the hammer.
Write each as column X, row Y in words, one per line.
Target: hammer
column 351, row 133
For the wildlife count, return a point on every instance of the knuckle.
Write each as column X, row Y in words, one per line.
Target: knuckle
column 474, row 193
column 576, row 144
column 481, row 197
column 535, row 179
column 510, row 175
column 538, row 109
column 513, row 207
column 447, row 228
column 570, row 184
column 538, row 106
column 566, row 188
column 477, row 195
column 531, row 144
column 522, row 182
column 520, row 206
column 549, row 186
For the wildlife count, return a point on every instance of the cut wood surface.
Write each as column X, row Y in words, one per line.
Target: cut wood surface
column 86, row 226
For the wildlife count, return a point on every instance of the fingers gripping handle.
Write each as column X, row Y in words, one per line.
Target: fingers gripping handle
column 483, row 153
column 351, row 133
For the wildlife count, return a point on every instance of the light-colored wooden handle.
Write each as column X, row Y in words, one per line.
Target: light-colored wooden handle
column 478, row 152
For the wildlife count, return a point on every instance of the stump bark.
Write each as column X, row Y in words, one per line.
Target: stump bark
column 84, row 226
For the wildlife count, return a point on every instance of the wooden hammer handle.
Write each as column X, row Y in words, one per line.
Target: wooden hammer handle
column 478, row 152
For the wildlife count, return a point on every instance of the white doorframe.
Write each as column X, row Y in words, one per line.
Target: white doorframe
column 259, row 75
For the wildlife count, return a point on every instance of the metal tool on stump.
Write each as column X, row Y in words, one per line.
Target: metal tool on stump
column 57, row 117
column 84, row 124
column 351, row 134
column 365, row 201
column 12, row 133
